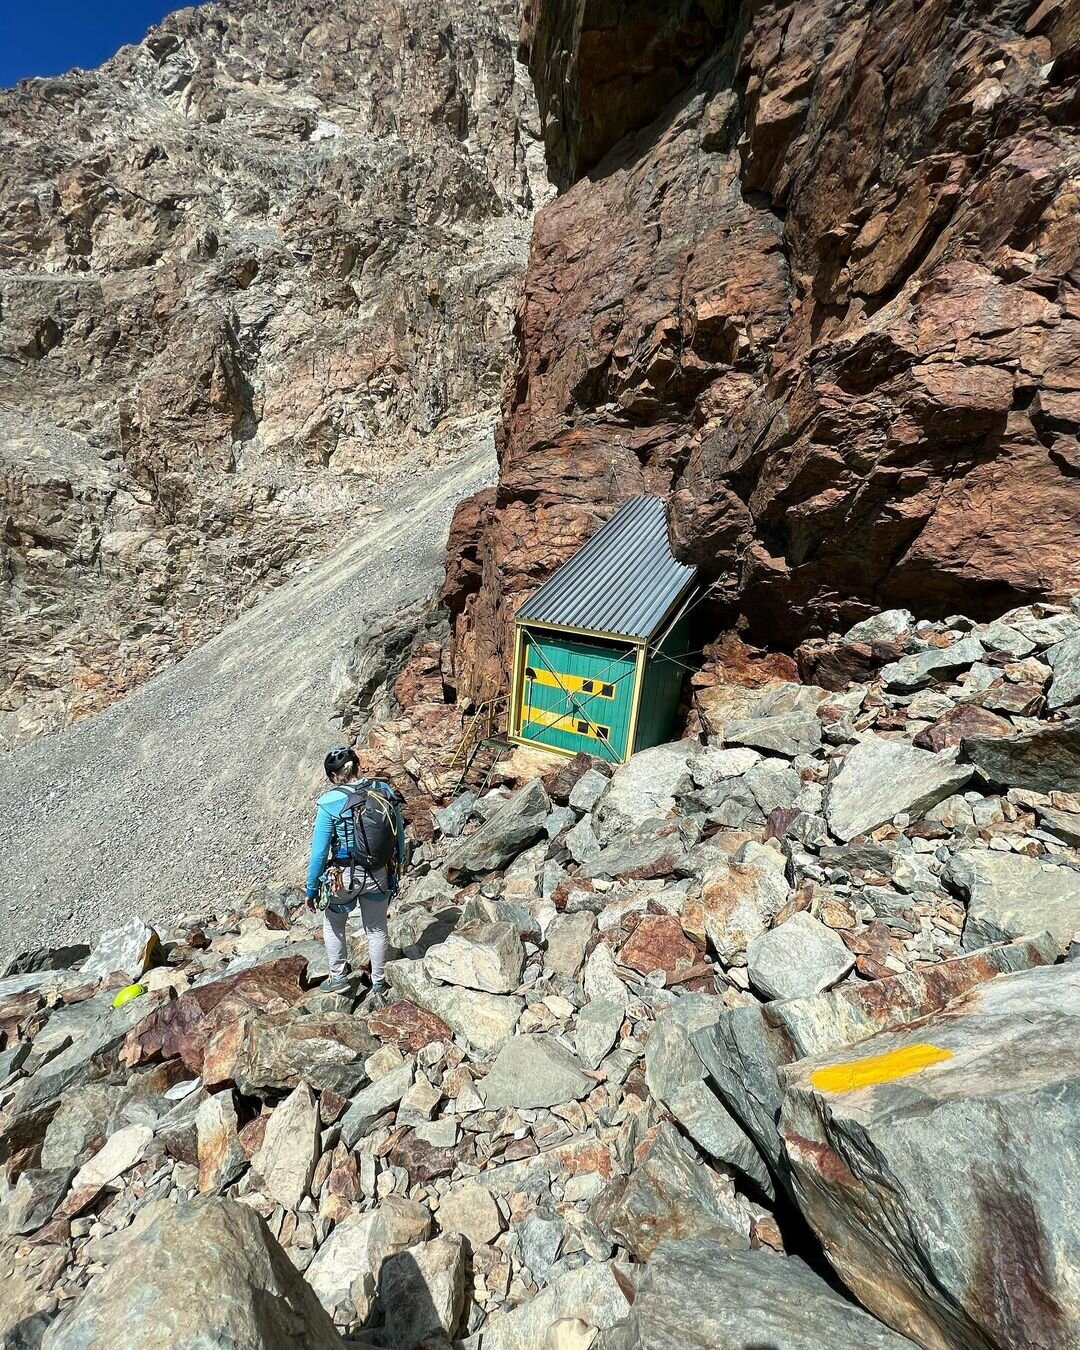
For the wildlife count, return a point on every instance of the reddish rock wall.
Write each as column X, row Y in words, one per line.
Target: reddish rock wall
column 827, row 301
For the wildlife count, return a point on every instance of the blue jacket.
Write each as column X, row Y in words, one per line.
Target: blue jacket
column 323, row 843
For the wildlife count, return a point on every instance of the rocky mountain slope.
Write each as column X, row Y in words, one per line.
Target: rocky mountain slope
column 813, row 277
column 663, row 1045
column 245, row 268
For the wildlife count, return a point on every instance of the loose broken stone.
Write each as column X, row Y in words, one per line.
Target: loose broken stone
column 880, row 779
column 532, row 1071
column 487, row 956
column 797, row 958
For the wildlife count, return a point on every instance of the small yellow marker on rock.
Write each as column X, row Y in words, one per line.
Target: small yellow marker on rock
column 884, row 1068
column 126, row 994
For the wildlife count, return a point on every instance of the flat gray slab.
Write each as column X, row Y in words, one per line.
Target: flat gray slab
column 534, row 1071
column 880, row 779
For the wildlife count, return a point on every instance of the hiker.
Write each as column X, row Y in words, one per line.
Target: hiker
column 357, row 857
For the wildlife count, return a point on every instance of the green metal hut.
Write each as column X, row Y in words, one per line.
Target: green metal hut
column 600, row 648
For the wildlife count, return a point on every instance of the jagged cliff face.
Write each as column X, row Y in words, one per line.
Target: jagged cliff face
column 248, row 267
column 816, row 281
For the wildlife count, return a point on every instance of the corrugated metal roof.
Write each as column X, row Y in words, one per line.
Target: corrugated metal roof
column 624, row 580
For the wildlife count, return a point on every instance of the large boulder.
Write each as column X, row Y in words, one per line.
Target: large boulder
column 935, row 663
column 1010, row 895
column 599, row 1294
column 509, row 829
column 422, row 1291
column 532, row 1071
column 643, row 788
column 739, row 900
column 482, row 1021
column 743, row 1049
column 487, row 956
column 669, row 1193
column 675, row 1076
column 130, row 949
column 266, row 1053
column 698, row 1294
column 879, row 779
column 1064, row 660
column 207, row 1273
column 285, row 1160
column 1044, row 760
column 788, row 734
column 940, row 1165
column 797, row 958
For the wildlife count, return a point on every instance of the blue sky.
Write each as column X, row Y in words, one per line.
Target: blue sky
column 46, row 37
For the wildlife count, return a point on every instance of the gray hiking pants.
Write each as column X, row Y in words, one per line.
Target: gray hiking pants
column 373, row 912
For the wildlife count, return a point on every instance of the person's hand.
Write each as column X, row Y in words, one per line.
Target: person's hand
column 309, row 903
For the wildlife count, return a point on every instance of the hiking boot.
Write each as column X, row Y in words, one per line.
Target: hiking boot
column 340, row 984
column 378, row 993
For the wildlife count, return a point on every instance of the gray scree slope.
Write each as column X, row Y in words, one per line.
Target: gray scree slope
column 202, row 780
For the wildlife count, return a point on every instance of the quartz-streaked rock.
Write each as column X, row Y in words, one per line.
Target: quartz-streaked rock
column 970, row 1130
column 716, row 764
column 1010, row 895
column 879, row 779
column 797, row 958
column 675, row 1076
column 532, row 1071
column 204, row 1273
column 422, row 1291
column 509, row 829
column 740, row 899
column 697, row 1294
column 743, row 1049
column 883, row 627
column 371, row 1102
column 480, row 1020
column 486, row 956
column 130, row 949
column 668, row 1193
column 345, row 1271
column 285, row 1160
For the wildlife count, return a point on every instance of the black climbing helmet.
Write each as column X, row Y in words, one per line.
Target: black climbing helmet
column 340, row 758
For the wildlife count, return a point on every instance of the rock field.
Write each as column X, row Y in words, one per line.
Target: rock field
column 663, row 1044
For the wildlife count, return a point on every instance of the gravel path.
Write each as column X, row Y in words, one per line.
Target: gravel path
column 201, row 781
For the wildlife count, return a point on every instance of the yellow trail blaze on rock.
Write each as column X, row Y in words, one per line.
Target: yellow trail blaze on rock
column 879, row 1068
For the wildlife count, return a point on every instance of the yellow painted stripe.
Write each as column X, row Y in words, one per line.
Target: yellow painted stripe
column 565, row 721
column 884, row 1068
column 572, row 684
